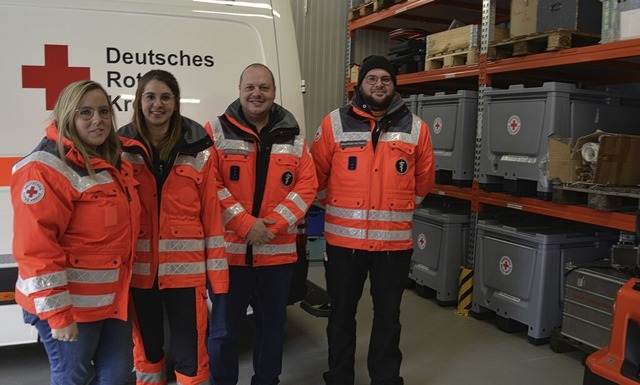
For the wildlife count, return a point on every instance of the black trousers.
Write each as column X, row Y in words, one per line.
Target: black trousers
column 346, row 270
column 180, row 306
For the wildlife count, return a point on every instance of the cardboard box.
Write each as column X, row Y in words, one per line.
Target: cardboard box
column 616, row 164
column 629, row 19
column 524, row 17
column 574, row 15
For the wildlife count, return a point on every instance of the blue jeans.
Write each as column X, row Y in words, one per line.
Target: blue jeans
column 266, row 288
column 103, row 354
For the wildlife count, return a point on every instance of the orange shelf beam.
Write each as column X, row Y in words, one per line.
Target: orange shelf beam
column 620, row 221
column 465, row 193
column 593, row 53
column 386, row 13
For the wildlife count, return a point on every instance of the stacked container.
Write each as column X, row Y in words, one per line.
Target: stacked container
column 519, row 269
column 440, row 244
column 517, row 122
column 452, row 121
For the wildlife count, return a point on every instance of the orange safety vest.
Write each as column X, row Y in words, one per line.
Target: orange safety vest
column 289, row 188
column 369, row 195
column 180, row 240
column 74, row 235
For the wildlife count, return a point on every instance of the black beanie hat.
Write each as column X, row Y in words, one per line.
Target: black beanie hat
column 375, row 61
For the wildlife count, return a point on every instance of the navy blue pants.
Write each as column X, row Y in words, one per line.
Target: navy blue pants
column 346, row 271
column 266, row 289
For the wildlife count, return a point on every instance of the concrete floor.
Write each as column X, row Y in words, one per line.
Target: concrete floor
column 439, row 348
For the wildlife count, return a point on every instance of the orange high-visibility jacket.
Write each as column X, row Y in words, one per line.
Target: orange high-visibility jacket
column 74, row 234
column 369, row 195
column 287, row 190
column 181, row 241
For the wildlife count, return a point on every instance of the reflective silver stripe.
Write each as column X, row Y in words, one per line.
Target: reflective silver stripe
column 181, row 268
column 224, row 193
column 294, row 149
column 52, row 302
column 298, row 201
column 411, row 138
column 231, row 212
column 92, row 300
column 418, row 199
column 92, row 276
column 391, row 216
column 228, row 144
column 292, row 229
column 7, row 259
column 167, row 245
column 197, row 163
column 374, row 215
column 141, row 268
column 151, row 378
column 345, row 231
column 341, row 136
column 42, row 282
column 143, row 245
column 286, row 214
column 321, row 194
column 133, row 158
column 217, row 264
column 80, row 183
column 376, row 235
column 268, row 249
column 346, row 213
column 214, row 242
column 386, row 235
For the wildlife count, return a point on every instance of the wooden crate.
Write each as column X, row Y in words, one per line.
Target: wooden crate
column 459, row 39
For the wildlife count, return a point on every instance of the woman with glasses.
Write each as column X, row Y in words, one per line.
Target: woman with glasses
column 181, row 245
column 76, row 219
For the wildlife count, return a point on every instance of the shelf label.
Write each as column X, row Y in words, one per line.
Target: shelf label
column 515, row 206
column 400, row 10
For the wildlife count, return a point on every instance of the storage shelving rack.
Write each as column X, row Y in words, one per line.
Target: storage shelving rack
column 599, row 64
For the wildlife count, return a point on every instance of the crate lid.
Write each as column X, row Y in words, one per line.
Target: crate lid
column 442, row 215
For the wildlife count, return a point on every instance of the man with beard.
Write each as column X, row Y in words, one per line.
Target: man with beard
column 374, row 162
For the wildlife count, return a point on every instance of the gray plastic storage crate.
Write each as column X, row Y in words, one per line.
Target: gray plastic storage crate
column 589, row 295
column 519, row 270
column 412, row 103
column 452, row 120
column 440, row 244
column 517, row 122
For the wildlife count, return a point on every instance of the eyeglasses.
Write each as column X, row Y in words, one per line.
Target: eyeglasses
column 150, row 97
column 372, row 79
column 86, row 113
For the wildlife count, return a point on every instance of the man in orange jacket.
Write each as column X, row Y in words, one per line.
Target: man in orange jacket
column 266, row 182
column 374, row 162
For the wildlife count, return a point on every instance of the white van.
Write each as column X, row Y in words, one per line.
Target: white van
column 46, row 44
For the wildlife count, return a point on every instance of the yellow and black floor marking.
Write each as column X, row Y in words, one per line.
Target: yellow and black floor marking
column 465, row 291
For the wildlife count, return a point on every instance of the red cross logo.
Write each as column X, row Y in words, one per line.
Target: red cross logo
column 31, row 191
column 514, row 124
column 55, row 75
column 437, row 125
column 422, row 241
column 506, row 265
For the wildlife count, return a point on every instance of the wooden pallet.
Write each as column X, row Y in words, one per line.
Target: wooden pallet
column 369, row 7
column 605, row 198
column 541, row 42
column 559, row 343
column 451, row 59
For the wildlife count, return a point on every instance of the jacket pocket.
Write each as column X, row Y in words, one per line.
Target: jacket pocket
column 94, row 261
column 187, row 231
